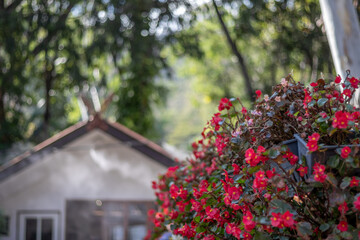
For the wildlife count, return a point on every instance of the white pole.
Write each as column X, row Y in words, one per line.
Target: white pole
column 343, row 33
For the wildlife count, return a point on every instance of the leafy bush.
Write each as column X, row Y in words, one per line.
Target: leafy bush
column 235, row 186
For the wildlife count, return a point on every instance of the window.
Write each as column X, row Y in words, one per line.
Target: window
column 38, row 225
column 4, row 225
column 106, row 220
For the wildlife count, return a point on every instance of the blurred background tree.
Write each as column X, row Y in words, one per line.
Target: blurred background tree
column 168, row 62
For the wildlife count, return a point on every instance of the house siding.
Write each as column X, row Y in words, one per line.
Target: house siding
column 94, row 166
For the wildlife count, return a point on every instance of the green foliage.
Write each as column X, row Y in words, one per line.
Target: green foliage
column 54, row 50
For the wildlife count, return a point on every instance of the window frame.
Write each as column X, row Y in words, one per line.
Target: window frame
column 6, row 226
column 22, row 215
column 126, row 203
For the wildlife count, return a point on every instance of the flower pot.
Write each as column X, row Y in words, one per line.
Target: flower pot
column 292, row 144
column 326, row 152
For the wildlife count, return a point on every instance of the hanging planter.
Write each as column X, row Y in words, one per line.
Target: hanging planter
column 323, row 155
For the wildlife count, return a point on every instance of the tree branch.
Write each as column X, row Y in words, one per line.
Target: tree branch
column 236, row 52
column 13, row 5
column 52, row 34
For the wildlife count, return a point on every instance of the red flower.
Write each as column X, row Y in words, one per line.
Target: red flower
column 212, row 213
column 312, row 146
column 196, row 206
column 302, row 170
column 244, row 110
column 251, row 157
column 173, row 214
column 319, row 172
column 248, row 221
column 276, row 219
column 340, row 120
column 236, row 168
column 215, row 121
column 260, row 150
column 270, row 173
column 338, row 79
column 258, row 94
column 314, row 84
column 260, row 181
column 323, row 115
column 354, row 182
column 354, row 82
column 230, row 228
column 292, row 158
column 267, row 228
column 314, row 137
column 260, row 174
column 357, row 203
column 347, row 92
column 288, row 219
column 320, row 177
column 227, row 200
column 343, row 208
column 235, row 192
column 224, row 103
column 343, row 226
column 345, row 152
column 226, row 214
column 249, row 154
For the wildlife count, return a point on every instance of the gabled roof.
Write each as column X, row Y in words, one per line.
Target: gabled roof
column 118, row 131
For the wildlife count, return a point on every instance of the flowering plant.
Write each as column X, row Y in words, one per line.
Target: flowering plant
column 329, row 114
column 235, row 185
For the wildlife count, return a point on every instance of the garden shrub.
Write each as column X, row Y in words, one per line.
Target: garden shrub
column 235, row 185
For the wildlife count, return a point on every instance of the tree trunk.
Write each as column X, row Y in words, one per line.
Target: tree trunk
column 236, row 52
column 343, row 33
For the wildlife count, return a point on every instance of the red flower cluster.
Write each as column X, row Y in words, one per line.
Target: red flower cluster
column 232, row 229
column 313, row 142
column 253, row 158
column 282, row 220
column 319, row 172
column 292, row 158
column 235, row 177
column 260, row 181
column 224, row 104
column 341, row 120
column 302, row 170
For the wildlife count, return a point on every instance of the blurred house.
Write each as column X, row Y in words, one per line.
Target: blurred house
column 90, row 181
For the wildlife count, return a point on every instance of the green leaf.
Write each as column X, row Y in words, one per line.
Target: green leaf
column 261, row 235
column 269, row 123
column 345, row 183
column 264, row 221
column 324, row 227
column 321, row 102
column 304, row 228
column 238, row 177
column 282, row 205
column 349, row 107
column 200, row 229
column 346, row 235
column 197, row 219
column 312, row 103
column 274, row 153
column 349, row 160
column 253, row 169
column 333, row 162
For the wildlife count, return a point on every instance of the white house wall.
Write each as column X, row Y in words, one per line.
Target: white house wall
column 95, row 166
